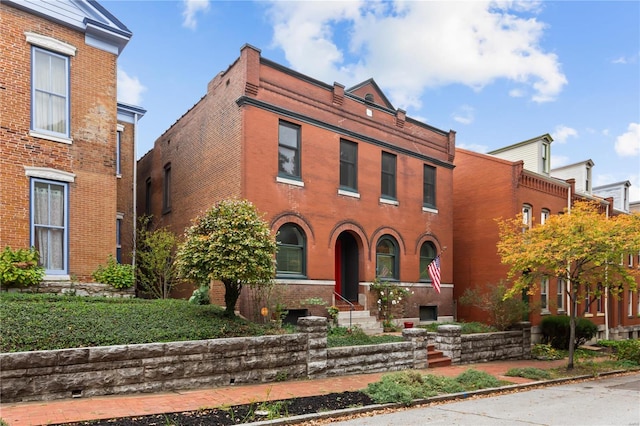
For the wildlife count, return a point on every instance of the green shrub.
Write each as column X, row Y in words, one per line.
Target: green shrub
column 200, row 296
column 19, row 268
column 555, row 331
column 115, row 274
column 474, row 379
column 401, row 387
column 355, row 336
column 529, row 373
column 624, row 350
column 546, row 352
column 466, row 327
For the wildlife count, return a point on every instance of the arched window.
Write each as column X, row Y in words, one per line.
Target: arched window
column 290, row 259
column 427, row 254
column 387, row 259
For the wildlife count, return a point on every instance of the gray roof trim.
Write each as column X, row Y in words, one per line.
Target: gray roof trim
column 245, row 100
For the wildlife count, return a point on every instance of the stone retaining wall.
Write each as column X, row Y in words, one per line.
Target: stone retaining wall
column 470, row 348
column 162, row 367
column 79, row 289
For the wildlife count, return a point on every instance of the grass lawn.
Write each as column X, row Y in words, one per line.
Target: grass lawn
column 30, row 322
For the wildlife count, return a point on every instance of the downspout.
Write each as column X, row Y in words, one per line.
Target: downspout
column 568, row 289
column 135, row 189
column 606, row 292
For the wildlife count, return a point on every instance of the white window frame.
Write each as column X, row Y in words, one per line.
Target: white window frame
column 544, row 294
column 544, row 216
column 526, row 215
column 560, row 294
column 53, row 47
column 119, row 150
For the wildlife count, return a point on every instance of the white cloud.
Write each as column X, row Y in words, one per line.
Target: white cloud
column 411, row 46
column 465, row 114
column 129, row 89
column 628, row 144
column 562, row 133
column 516, row 93
column 473, row 147
column 191, row 9
column 559, row 161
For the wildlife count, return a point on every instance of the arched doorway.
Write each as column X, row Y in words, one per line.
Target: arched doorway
column 347, row 261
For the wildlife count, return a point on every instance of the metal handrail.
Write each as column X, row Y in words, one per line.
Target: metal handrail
column 351, row 307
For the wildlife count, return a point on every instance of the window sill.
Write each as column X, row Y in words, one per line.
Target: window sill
column 429, row 210
column 588, row 315
column 289, row 181
column 118, row 176
column 56, row 278
column 53, row 138
column 166, row 211
column 545, row 312
column 348, row 193
column 600, row 314
column 389, row 201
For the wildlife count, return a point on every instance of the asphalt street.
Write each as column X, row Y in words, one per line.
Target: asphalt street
column 601, row 402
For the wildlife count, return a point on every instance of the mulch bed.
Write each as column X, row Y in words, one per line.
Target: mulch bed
column 240, row 414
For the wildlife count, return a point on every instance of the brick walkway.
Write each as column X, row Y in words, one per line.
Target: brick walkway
column 105, row 407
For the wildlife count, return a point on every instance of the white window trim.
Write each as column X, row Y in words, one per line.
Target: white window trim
column 347, row 193
column 388, row 201
column 293, row 182
column 429, row 210
column 53, row 138
column 49, row 173
column 50, row 43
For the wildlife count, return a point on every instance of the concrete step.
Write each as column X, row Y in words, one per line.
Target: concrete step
column 363, row 319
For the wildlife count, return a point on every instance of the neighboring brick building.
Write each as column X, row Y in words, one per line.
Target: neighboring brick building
column 354, row 187
column 62, row 189
column 518, row 180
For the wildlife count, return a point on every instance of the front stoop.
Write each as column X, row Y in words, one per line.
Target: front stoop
column 361, row 318
column 436, row 358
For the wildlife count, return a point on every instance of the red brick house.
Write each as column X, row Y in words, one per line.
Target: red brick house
column 518, row 180
column 67, row 148
column 354, row 188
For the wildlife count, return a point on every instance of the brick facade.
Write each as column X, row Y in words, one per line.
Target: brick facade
column 227, row 146
column 488, row 188
column 87, row 159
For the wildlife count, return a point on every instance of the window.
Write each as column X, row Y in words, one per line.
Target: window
column 600, row 299
column 630, row 303
column 587, row 300
column 544, row 216
column 630, row 261
column 147, row 197
column 348, row 166
column 166, row 190
column 118, row 153
column 289, row 150
column 429, row 187
column 526, row 215
column 388, row 176
column 544, row 294
column 50, row 93
column 387, row 262
column 545, row 158
column 49, row 224
column 290, row 258
column 119, row 238
column 560, row 294
column 427, row 254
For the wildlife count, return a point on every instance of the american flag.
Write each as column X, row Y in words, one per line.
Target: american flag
column 434, row 271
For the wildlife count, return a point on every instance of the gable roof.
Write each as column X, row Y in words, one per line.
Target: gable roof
column 546, row 137
column 370, row 87
column 101, row 28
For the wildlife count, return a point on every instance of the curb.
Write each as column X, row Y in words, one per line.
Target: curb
column 427, row 401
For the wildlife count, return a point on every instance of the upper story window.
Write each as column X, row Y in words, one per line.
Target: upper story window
column 388, row 186
column 429, row 187
column 147, row 197
column 289, row 150
column 427, row 254
column 49, row 224
column 166, row 189
column 119, row 153
column 546, row 158
column 119, row 219
column 560, row 294
column 387, row 259
column 544, row 216
column 50, row 93
column 348, row 165
column 290, row 258
column 526, row 215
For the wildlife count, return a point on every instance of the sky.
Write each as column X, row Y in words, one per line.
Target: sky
column 496, row 72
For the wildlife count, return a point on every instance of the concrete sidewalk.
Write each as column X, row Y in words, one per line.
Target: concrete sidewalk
column 106, row 407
